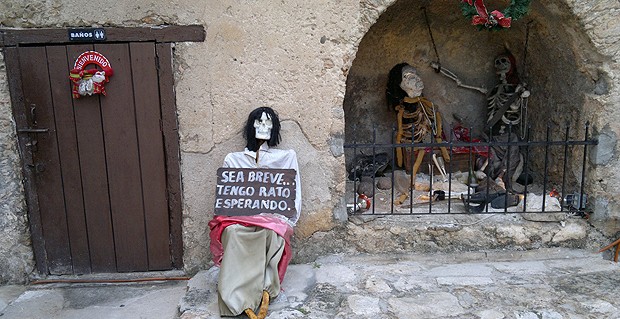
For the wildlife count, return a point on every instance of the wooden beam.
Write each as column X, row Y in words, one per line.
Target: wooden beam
column 11, row 57
column 172, row 148
column 160, row 34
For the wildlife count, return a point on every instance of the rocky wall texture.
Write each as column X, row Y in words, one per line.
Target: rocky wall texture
column 295, row 56
column 16, row 259
column 428, row 234
column 599, row 23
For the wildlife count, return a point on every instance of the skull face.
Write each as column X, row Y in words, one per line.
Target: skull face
column 411, row 82
column 263, row 127
column 502, row 65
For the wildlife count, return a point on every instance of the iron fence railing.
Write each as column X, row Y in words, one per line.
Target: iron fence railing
column 564, row 186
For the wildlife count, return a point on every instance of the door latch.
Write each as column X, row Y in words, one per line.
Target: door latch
column 32, row 130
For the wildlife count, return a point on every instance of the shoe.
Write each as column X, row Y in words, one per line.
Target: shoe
column 483, row 197
column 503, row 202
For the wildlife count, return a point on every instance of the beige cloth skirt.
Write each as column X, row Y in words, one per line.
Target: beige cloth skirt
column 249, row 266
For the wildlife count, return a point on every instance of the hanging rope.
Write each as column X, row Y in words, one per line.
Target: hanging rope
column 527, row 39
column 524, row 116
column 430, row 33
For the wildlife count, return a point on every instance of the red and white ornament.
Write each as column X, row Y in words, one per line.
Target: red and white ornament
column 90, row 81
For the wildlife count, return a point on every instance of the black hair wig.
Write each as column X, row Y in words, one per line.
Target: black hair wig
column 393, row 93
column 252, row 143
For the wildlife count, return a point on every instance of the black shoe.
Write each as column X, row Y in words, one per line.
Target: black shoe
column 503, row 201
column 482, row 197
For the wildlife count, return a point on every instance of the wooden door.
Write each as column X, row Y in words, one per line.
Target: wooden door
column 101, row 166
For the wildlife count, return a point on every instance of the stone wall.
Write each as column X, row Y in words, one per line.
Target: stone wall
column 16, row 258
column 294, row 56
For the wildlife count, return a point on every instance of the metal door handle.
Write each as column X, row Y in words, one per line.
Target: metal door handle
column 32, row 130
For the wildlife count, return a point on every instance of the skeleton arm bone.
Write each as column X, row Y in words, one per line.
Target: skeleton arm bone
column 449, row 74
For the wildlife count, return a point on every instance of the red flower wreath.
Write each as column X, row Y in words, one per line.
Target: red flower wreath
column 496, row 20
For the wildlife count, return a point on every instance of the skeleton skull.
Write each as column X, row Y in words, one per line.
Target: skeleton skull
column 411, row 82
column 502, row 66
column 263, row 127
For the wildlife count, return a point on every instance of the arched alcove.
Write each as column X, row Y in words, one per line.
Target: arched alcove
column 554, row 58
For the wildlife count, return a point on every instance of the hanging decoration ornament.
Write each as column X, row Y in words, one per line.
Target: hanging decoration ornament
column 90, row 81
column 496, row 20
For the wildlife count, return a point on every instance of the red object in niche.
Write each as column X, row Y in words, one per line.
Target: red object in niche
column 461, row 134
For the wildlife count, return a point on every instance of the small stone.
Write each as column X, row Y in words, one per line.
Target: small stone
column 364, row 305
column 572, row 231
column 366, row 186
column 384, row 183
column 377, row 285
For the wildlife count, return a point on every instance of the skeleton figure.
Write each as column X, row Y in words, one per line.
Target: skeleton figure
column 507, row 106
column 253, row 251
column 415, row 112
column 507, row 103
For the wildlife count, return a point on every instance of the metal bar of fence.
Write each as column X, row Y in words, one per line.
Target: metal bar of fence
column 509, row 177
column 374, row 160
column 583, row 170
column 450, row 174
column 393, row 165
column 545, row 175
column 526, row 166
column 508, row 145
column 467, row 144
column 564, row 169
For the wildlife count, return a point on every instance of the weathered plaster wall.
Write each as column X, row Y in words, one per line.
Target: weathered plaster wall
column 294, row 56
column 248, row 60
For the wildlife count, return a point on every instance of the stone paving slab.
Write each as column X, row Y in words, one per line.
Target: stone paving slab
column 551, row 283
column 546, row 283
column 93, row 301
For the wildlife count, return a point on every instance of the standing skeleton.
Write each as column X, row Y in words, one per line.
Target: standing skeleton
column 507, row 103
column 506, row 111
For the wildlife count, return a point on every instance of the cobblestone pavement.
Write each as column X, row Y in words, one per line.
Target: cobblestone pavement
column 547, row 283
column 536, row 284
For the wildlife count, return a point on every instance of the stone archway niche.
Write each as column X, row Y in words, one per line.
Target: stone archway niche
column 561, row 68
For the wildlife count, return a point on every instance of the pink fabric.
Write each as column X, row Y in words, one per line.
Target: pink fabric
column 280, row 227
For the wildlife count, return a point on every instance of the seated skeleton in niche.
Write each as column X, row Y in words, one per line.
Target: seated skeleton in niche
column 417, row 117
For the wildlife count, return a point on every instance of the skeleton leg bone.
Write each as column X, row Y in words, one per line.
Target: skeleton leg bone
column 444, row 151
column 440, row 167
column 399, row 136
column 250, row 313
column 262, row 311
column 414, row 171
column 417, row 163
